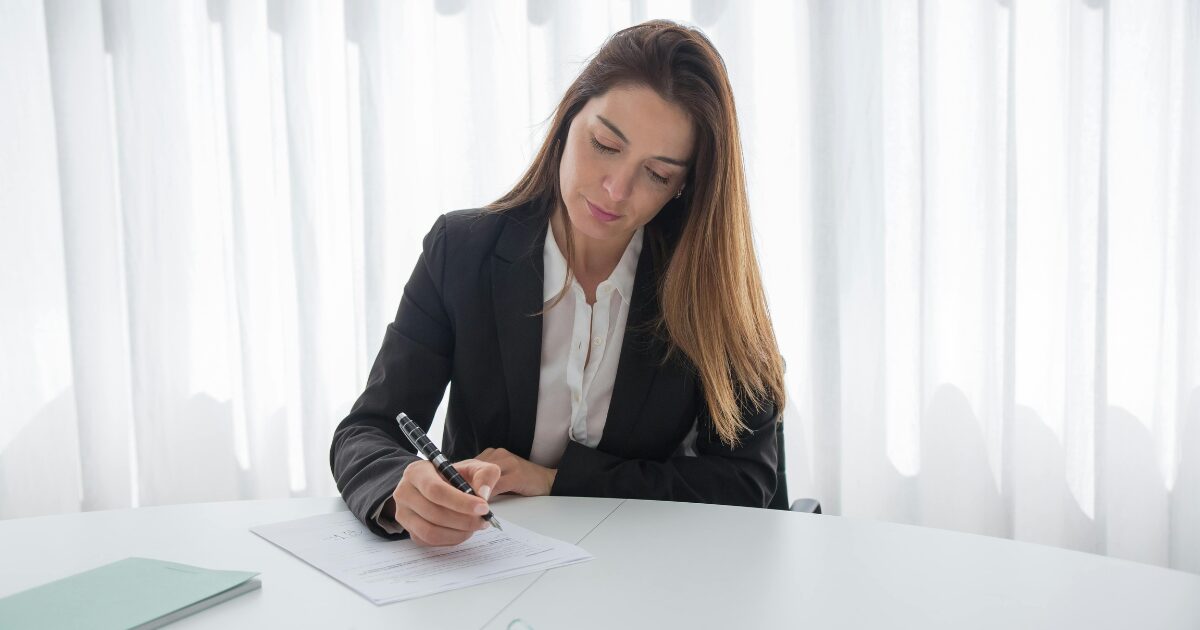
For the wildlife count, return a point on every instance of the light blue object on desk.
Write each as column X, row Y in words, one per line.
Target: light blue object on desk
column 130, row 593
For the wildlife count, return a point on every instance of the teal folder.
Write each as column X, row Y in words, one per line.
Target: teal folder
column 130, row 593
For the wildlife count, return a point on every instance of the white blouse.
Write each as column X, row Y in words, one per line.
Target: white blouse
column 574, row 388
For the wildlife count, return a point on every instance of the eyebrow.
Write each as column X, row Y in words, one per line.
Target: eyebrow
column 661, row 158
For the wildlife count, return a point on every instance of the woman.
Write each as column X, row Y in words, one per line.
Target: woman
column 603, row 325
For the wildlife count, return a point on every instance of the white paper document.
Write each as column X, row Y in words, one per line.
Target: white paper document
column 386, row 571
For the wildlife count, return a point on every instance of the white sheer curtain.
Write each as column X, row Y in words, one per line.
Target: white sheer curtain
column 978, row 222
column 996, row 327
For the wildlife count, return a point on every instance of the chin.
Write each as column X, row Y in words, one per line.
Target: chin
column 584, row 223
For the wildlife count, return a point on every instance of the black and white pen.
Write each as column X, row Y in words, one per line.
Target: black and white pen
column 439, row 461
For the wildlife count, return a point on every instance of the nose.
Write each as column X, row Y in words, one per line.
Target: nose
column 619, row 183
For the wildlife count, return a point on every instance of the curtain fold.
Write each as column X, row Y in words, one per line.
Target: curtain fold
column 978, row 222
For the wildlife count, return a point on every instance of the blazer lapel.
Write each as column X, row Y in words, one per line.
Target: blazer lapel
column 517, row 300
column 639, row 362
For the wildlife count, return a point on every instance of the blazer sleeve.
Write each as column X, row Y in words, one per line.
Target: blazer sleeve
column 742, row 475
column 369, row 452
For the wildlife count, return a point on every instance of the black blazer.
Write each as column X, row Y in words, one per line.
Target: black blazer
column 468, row 317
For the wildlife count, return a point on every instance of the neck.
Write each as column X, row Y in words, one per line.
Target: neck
column 592, row 257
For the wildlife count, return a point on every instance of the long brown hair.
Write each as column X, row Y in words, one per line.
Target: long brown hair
column 713, row 306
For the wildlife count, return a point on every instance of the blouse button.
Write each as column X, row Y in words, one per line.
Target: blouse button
column 597, row 341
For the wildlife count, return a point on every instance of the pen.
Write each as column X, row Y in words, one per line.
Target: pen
column 443, row 465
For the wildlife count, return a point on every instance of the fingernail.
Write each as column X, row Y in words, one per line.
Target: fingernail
column 485, row 492
column 481, row 509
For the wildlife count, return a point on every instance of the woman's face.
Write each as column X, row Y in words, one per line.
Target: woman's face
column 626, row 155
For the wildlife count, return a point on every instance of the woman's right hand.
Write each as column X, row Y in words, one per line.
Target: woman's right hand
column 434, row 512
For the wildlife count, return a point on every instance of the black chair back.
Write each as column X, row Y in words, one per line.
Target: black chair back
column 780, row 500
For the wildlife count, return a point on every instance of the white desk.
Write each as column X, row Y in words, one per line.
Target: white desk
column 658, row 565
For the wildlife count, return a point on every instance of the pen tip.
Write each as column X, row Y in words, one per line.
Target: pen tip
column 496, row 524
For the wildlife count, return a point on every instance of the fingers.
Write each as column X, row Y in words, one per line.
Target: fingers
column 427, row 533
column 500, row 457
column 483, row 476
column 506, row 483
column 510, row 467
column 519, row 475
column 429, row 482
column 446, row 518
column 436, row 513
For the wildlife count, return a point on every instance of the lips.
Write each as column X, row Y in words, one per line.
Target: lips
column 600, row 213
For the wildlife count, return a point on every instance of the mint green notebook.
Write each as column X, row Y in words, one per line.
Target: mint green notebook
column 130, row 593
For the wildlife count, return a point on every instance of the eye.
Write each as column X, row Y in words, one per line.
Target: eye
column 601, row 147
column 658, row 178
